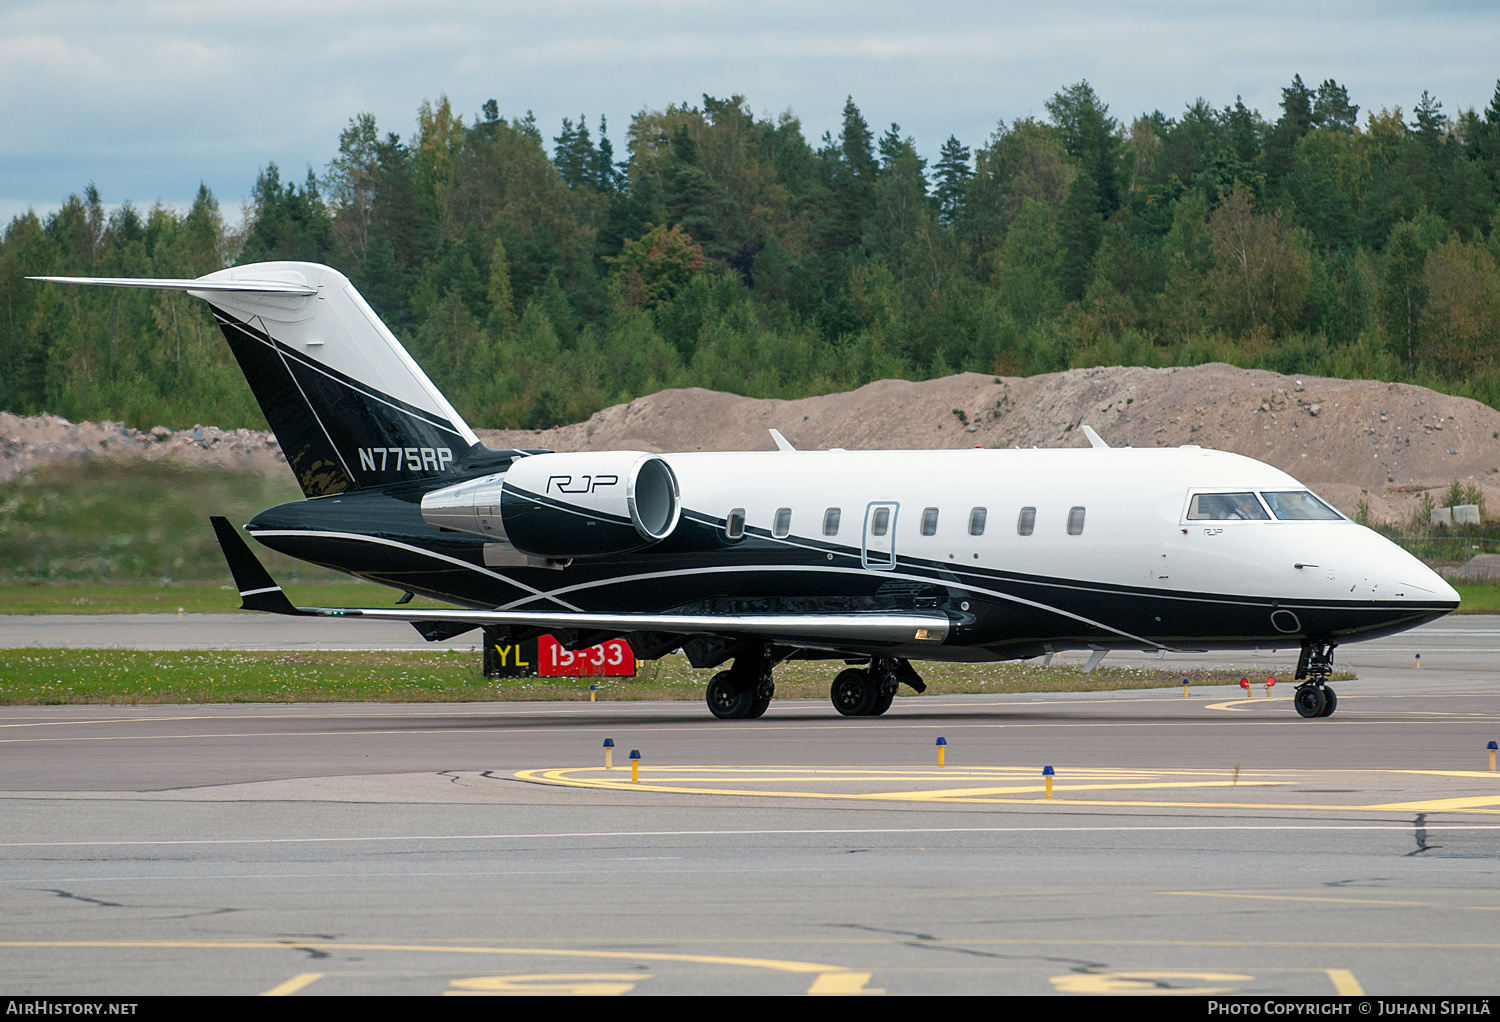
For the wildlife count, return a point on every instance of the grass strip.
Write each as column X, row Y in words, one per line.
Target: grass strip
column 130, row 677
column 191, row 599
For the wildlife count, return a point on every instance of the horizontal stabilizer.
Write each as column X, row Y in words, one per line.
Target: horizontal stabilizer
column 258, row 590
column 263, row 287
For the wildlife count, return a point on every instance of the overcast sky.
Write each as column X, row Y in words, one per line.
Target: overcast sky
column 147, row 99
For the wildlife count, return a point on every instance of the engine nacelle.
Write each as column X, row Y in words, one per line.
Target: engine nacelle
column 561, row 506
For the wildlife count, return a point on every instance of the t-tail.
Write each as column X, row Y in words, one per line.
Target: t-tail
column 348, row 404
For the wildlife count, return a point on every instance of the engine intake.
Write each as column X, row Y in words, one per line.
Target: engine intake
column 561, row 506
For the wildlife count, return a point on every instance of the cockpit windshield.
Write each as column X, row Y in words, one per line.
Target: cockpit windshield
column 1299, row 506
column 1220, row 507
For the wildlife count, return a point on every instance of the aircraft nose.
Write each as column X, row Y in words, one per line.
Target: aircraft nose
column 1442, row 588
column 1406, row 570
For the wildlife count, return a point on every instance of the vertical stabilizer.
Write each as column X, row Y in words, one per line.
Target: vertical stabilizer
column 350, row 407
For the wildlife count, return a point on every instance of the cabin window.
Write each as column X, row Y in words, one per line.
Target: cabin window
column 783, row 524
column 734, row 526
column 831, row 521
column 1221, row 507
column 1026, row 523
column 1075, row 521
column 929, row 521
column 1299, row 506
column 976, row 521
column 880, row 521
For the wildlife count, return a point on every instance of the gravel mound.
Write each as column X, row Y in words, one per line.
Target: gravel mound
column 1350, row 440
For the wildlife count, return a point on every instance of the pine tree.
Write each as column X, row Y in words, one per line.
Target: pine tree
column 952, row 179
column 606, row 176
column 1088, row 135
column 575, row 157
column 891, row 146
column 1081, row 229
column 1296, row 121
column 853, row 171
column 1331, row 107
column 289, row 223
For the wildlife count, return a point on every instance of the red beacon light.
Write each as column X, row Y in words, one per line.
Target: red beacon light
column 1245, row 684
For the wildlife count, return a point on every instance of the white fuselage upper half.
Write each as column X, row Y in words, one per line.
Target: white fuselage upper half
column 1133, row 528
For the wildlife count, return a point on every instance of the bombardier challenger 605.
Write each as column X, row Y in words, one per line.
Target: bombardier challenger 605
column 871, row 558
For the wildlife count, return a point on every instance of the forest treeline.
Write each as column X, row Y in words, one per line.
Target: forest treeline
column 537, row 283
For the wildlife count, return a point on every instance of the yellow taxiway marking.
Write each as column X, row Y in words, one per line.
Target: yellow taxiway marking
column 835, row 983
column 828, row 977
column 1148, row 981
column 1235, row 705
column 1344, row 983
column 1145, row 982
column 294, row 984
column 1253, row 896
column 576, row 984
column 1020, row 784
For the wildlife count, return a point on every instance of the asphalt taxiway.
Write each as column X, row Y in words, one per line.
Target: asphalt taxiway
column 1211, row 843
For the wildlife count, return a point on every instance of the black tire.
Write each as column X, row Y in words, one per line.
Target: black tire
column 727, row 700
column 1333, row 701
column 883, row 699
column 761, row 701
column 1310, row 701
column 853, row 693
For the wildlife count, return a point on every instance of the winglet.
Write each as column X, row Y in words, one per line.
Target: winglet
column 258, row 590
column 1095, row 440
column 782, row 443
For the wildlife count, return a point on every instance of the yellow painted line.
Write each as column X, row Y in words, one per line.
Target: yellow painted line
column 1295, row 897
column 953, row 794
column 294, row 984
column 842, row 983
column 577, row 984
column 1442, row 804
column 1145, row 982
column 1233, row 704
column 1333, row 901
column 1344, row 983
column 578, row 777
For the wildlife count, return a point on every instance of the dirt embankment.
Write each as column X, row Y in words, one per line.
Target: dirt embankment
column 1348, row 439
column 28, row 442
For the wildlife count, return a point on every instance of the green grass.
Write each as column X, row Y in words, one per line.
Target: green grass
column 52, row 676
column 26, row 598
column 1477, row 599
column 139, row 522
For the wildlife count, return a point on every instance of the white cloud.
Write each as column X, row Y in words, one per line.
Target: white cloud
column 147, row 99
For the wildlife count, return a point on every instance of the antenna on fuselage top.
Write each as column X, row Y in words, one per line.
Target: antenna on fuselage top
column 1095, row 440
column 782, row 443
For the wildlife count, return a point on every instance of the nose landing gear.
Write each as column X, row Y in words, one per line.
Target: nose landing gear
column 1314, row 696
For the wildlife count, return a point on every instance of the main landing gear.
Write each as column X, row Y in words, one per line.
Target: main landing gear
column 745, row 690
column 869, row 692
column 1314, row 696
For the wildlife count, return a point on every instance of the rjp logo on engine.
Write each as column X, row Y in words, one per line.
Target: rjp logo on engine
column 565, row 484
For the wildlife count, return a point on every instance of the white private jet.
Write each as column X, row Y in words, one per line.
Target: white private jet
column 875, row 558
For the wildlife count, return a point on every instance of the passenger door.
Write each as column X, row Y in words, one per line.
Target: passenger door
column 879, row 550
